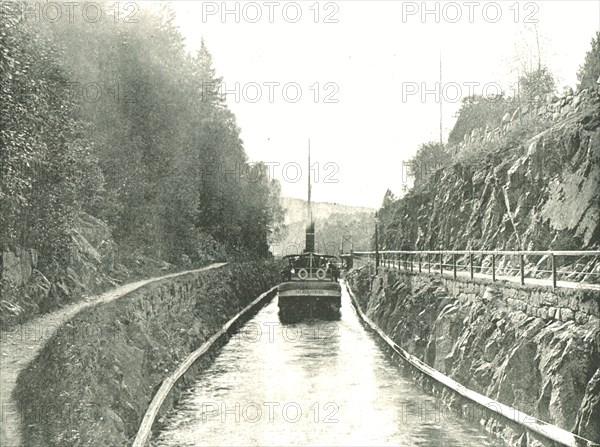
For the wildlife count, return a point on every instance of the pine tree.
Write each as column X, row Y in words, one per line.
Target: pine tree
column 589, row 73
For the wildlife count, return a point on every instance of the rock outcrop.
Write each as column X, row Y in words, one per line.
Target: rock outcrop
column 531, row 184
column 523, row 347
column 93, row 266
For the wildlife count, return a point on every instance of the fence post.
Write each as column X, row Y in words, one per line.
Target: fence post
column 419, row 262
column 553, row 271
column 522, row 268
column 412, row 262
column 429, row 262
column 471, row 264
column 493, row 267
column 454, row 265
column 441, row 263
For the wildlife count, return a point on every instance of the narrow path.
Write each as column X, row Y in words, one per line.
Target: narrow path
column 532, row 281
column 21, row 345
column 512, row 279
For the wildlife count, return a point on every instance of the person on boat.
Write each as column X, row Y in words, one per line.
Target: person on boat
column 335, row 272
column 286, row 272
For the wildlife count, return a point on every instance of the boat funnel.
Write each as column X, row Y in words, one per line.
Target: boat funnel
column 310, row 238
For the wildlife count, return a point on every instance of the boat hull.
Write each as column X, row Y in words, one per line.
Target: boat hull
column 309, row 299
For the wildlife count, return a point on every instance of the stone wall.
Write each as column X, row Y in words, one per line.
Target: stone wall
column 541, row 302
column 534, row 349
column 94, row 379
column 552, row 108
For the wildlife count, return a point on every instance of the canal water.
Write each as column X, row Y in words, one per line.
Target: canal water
column 312, row 383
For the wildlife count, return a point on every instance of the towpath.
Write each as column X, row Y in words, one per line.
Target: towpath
column 22, row 344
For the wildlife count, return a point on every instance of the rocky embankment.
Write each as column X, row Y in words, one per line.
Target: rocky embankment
column 534, row 349
column 532, row 183
column 94, row 379
column 96, row 264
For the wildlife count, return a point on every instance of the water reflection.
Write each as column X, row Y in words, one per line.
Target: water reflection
column 311, row 383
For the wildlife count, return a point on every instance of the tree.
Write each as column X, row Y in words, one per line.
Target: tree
column 534, row 80
column 48, row 172
column 205, row 74
column 535, row 85
column 429, row 158
column 153, row 154
column 589, row 73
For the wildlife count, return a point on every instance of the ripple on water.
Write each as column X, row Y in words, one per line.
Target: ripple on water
column 311, row 383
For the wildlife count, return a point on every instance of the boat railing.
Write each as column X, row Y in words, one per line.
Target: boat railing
column 311, row 274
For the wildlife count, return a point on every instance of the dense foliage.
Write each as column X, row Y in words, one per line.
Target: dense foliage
column 429, row 158
column 589, row 73
column 535, row 85
column 114, row 118
column 47, row 165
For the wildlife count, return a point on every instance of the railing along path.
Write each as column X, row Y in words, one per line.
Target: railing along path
column 406, row 259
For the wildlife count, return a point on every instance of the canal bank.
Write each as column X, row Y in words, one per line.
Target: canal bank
column 533, row 349
column 311, row 383
column 95, row 377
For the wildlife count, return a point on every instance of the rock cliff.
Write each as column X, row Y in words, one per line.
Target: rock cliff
column 94, row 265
column 532, row 183
column 533, row 349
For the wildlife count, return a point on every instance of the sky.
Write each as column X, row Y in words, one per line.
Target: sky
column 359, row 78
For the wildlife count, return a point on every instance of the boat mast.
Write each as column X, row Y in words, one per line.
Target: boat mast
column 310, row 217
column 310, row 228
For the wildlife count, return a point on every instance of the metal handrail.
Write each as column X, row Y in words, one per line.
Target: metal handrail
column 440, row 254
column 485, row 252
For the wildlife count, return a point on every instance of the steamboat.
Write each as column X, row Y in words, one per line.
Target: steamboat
column 310, row 287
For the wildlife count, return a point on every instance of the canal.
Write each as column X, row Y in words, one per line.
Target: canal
column 312, row 383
